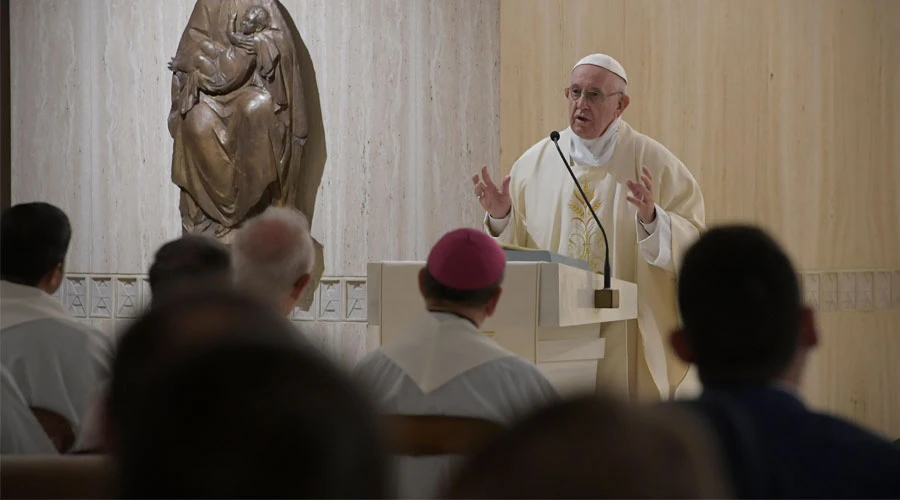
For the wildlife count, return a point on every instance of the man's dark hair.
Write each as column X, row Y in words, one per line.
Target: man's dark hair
column 740, row 305
column 34, row 238
column 434, row 291
column 250, row 418
column 188, row 261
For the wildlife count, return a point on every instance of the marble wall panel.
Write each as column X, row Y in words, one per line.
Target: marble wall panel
column 408, row 98
column 136, row 204
column 50, row 86
column 410, row 105
column 343, row 343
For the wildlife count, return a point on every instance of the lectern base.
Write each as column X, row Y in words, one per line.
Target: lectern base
column 606, row 298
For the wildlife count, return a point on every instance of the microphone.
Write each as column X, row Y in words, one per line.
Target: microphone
column 606, row 298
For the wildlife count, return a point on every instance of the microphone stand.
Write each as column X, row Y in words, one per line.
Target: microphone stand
column 607, row 298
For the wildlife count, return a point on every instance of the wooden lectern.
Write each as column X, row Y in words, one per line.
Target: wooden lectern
column 547, row 314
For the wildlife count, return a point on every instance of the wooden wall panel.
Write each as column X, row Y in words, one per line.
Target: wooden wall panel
column 855, row 372
column 787, row 113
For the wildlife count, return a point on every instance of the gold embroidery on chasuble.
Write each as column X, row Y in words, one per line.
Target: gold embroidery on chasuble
column 585, row 238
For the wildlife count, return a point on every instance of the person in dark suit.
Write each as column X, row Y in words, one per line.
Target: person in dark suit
column 749, row 334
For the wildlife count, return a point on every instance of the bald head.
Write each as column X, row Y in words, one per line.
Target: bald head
column 273, row 256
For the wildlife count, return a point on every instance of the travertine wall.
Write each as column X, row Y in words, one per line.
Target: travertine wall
column 409, row 101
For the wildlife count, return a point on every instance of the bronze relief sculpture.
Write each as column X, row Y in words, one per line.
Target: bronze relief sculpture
column 238, row 115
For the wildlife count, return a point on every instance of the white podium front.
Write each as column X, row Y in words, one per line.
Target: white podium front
column 546, row 315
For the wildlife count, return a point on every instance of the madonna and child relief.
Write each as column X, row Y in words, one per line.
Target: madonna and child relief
column 238, row 115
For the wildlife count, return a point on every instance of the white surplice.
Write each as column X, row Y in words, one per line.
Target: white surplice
column 444, row 366
column 56, row 362
column 20, row 431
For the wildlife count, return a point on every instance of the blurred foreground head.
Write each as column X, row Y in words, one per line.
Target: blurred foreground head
column 216, row 395
column 591, row 447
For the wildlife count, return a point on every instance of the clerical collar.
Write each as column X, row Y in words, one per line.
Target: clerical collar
column 460, row 316
column 595, row 152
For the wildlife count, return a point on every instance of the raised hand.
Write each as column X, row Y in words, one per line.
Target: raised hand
column 642, row 196
column 495, row 200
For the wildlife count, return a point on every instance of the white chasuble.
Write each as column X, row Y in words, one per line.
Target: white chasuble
column 548, row 213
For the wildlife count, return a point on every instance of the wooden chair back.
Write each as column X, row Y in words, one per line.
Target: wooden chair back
column 424, row 435
column 62, row 477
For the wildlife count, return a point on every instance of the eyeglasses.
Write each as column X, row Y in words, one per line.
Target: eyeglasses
column 592, row 96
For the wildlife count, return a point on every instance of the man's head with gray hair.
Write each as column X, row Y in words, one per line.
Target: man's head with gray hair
column 273, row 257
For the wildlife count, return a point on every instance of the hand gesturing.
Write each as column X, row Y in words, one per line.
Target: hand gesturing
column 495, row 200
column 642, row 196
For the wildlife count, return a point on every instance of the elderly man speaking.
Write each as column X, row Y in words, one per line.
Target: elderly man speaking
column 645, row 197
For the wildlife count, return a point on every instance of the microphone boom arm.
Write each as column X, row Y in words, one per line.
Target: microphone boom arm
column 606, row 273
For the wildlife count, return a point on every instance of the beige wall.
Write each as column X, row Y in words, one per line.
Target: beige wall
column 408, row 103
column 787, row 113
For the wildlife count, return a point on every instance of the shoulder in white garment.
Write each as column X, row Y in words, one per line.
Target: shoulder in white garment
column 21, row 433
column 477, row 381
column 55, row 361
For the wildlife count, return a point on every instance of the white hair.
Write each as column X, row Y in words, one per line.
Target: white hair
column 271, row 252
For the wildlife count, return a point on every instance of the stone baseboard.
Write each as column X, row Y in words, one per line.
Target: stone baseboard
column 124, row 296
column 343, row 298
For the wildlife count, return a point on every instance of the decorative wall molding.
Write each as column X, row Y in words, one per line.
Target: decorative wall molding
column 101, row 297
column 356, row 300
column 111, row 296
column 342, row 299
column 331, row 299
column 75, row 296
column 128, row 297
column 850, row 290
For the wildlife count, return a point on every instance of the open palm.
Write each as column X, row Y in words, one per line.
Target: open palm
column 495, row 200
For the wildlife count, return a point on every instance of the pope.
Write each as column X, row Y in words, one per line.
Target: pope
column 647, row 200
